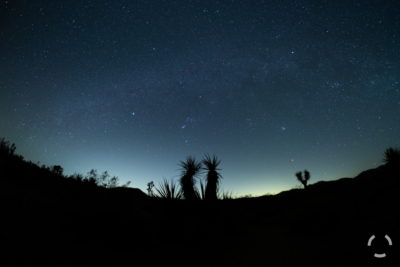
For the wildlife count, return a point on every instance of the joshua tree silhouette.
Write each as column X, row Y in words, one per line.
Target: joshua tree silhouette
column 150, row 189
column 305, row 179
column 190, row 169
column 212, row 177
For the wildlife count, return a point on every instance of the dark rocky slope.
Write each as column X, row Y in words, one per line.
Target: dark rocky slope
column 103, row 227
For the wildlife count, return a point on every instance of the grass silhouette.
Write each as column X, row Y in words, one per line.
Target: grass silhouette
column 169, row 192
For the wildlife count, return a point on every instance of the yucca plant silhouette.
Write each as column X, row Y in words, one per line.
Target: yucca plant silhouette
column 392, row 156
column 305, row 179
column 200, row 195
column 190, row 170
column 168, row 192
column 212, row 177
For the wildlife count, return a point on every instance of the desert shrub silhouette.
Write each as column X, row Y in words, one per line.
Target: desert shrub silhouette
column 57, row 169
column 168, row 192
column 297, row 187
column 46, row 178
column 305, row 179
column 5, row 148
column 212, row 177
column 77, row 177
column 392, row 157
column 150, row 192
column 224, row 195
column 190, row 170
column 104, row 180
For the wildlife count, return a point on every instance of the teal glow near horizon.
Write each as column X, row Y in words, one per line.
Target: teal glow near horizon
column 238, row 181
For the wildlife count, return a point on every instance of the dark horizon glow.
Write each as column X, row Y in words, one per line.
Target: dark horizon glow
column 272, row 88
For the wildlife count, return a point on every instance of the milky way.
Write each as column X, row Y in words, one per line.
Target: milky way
column 270, row 87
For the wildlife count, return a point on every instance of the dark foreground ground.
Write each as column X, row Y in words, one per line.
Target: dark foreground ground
column 329, row 225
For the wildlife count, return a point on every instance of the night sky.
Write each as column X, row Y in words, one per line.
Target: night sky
column 134, row 87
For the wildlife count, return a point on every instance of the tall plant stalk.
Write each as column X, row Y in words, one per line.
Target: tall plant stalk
column 212, row 177
column 190, row 170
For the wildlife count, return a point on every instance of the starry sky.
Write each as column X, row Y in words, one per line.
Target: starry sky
column 134, row 87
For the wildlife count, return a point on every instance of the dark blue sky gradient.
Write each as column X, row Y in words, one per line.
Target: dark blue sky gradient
column 270, row 87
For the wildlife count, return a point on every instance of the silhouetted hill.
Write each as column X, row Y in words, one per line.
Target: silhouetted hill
column 48, row 217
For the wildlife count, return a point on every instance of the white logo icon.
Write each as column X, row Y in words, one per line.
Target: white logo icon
column 380, row 255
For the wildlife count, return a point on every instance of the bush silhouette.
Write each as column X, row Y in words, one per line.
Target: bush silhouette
column 57, row 169
column 224, row 195
column 78, row 177
column 5, row 148
column 190, row 170
column 305, row 179
column 392, row 157
column 104, row 180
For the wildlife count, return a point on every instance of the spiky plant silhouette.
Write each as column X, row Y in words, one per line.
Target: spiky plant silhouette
column 305, row 179
column 212, row 177
column 392, row 156
column 190, row 170
column 224, row 195
column 168, row 192
column 200, row 195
